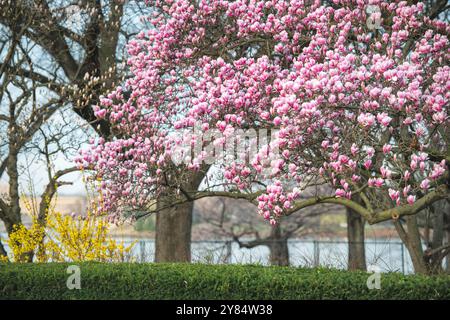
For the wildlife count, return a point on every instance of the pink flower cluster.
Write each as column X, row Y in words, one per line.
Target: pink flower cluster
column 352, row 109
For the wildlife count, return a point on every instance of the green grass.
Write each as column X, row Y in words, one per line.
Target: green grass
column 199, row 281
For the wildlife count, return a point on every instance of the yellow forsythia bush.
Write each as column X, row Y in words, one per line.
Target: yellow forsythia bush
column 66, row 238
column 23, row 242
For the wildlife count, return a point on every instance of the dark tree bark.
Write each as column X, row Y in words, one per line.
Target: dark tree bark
column 173, row 234
column 413, row 243
column 277, row 242
column 173, row 226
column 356, row 247
column 438, row 237
column 13, row 214
column 278, row 246
column 437, row 250
column 427, row 261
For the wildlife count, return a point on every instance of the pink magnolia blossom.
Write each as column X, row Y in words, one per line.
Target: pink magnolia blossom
column 340, row 193
column 203, row 68
column 394, row 194
column 366, row 119
column 411, row 199
column 425, row 184
column 387, row 148
column 407, row 175
column 384, row 119
column 354, row 149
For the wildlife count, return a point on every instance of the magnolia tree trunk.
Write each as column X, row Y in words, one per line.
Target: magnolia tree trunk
column 355, row 235
column 435, row 254
column 413, row 243
column 173, row 234
column 174, row 224
column 432, row 219
column 278, row 246
column 435, row 260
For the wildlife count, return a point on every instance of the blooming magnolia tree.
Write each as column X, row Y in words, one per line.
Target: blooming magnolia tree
column 356, row 94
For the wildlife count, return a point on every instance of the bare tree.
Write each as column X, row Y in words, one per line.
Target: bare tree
column 24, row 131
column 79, row 55
column 29, row 112
column 237, row 219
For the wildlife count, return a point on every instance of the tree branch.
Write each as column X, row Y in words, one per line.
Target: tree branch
column 439, row 193
column 50, row 191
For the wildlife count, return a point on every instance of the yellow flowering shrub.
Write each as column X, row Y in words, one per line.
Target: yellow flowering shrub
column 84, row 239
column 66, row 238
column 24, row 242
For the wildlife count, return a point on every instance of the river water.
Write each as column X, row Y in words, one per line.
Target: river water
column 385, row 255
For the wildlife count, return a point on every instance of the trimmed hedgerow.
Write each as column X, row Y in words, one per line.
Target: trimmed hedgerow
column 199, row 281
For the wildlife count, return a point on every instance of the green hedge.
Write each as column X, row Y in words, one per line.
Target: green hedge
column 198, row 281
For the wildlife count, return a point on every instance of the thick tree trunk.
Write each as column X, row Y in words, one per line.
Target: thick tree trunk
column 435, row 223
column 278, row 245
column 419, row 264
column 10, row 221
column 13, row 215
column 411, row 239
column 356, row 247
column 173, row 227
column 173, row 234
column 438, row 238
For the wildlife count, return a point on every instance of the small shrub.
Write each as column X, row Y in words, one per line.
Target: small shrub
column 65, row 238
